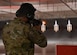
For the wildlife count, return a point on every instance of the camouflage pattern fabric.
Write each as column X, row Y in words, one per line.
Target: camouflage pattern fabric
column 19, row 38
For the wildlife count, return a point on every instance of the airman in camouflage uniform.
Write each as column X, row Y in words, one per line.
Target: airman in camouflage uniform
column 19, row 38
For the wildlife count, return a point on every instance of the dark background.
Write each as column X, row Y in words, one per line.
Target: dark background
column 49, row 33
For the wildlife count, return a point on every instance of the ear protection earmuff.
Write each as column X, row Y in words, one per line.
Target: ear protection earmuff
column 30, row 16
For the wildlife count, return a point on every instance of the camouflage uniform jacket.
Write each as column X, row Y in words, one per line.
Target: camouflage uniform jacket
column 19, row 38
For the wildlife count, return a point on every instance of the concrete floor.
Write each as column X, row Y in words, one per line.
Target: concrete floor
column 50, row 49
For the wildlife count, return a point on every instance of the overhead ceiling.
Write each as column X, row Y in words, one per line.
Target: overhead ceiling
column 45, row 8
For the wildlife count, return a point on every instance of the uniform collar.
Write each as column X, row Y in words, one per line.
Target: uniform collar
column 18, row 20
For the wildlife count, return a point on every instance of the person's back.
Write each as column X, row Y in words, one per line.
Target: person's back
column 20, row 40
